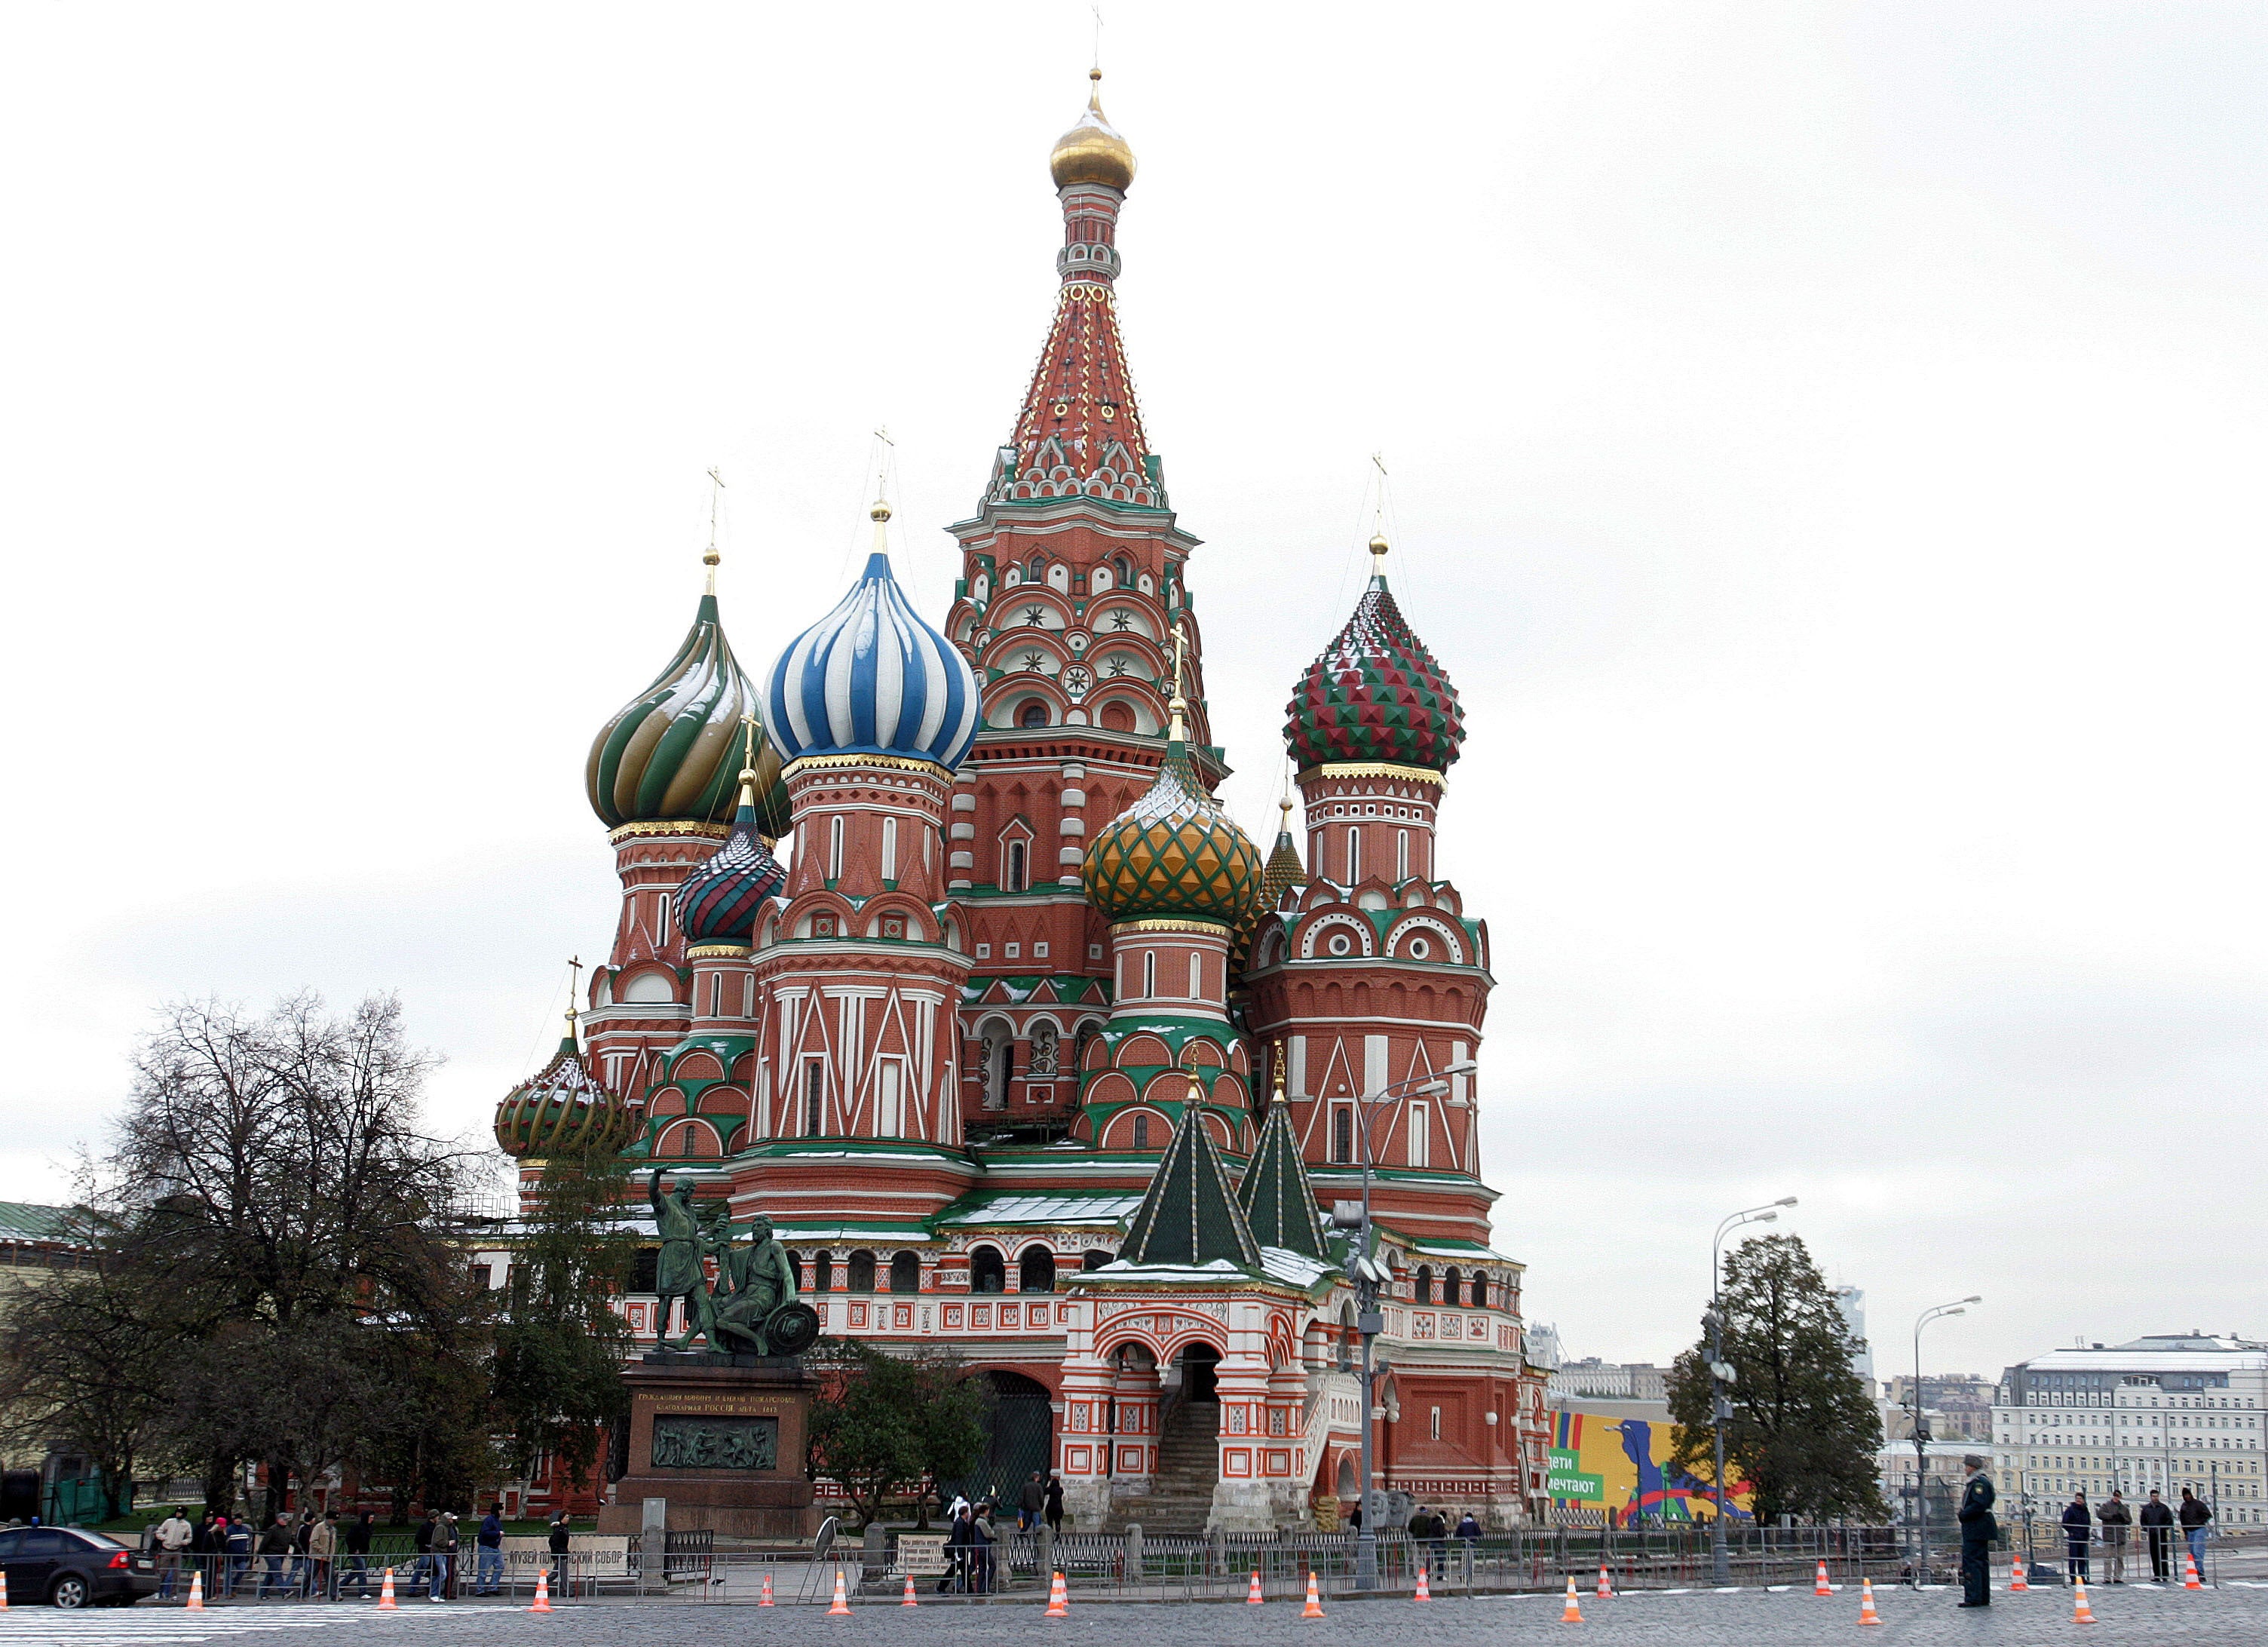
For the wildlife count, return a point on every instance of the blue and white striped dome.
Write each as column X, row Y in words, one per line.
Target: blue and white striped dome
column 871, row 678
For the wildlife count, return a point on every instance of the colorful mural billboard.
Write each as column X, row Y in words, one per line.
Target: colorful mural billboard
column 1622, row 1464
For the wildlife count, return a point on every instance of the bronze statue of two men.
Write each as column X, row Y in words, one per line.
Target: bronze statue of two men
column 753, row 1308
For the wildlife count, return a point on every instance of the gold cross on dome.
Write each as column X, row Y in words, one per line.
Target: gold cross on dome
column 1181, row 653
column 748, row 739
column 574, row 988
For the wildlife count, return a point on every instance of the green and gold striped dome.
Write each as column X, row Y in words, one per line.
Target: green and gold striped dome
column 673, row 753
column 1174, row 854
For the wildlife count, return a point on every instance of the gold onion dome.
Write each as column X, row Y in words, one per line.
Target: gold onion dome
column 563, row 1109
column 1174, row 854
column 1092, row 152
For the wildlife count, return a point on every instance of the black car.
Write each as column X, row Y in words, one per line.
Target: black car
column 74, row 1568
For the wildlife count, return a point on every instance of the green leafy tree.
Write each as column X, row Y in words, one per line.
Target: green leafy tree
column 882, row 1423
column 560, row 1348
column 1804, row 1429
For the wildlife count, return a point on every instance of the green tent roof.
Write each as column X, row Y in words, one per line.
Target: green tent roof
column 1278, row 1203
column 1190, row 1218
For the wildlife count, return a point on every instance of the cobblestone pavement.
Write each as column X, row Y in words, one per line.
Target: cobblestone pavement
column 2232, row 1614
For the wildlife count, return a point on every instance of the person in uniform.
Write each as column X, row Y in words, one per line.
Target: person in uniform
column 1977, row 1532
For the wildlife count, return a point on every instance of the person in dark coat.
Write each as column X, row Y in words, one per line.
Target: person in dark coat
column 1054, row 1503
column 561, row 1541
column 2158, row 1532
column 2193, row 1514
column 1977, row 1532
column 355, row 1542
column 2078, row 1527
column 958, row 1539
column 2115, row 1518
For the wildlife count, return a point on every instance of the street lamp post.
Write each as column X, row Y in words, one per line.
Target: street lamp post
column 1720, row 1374
column 1921, row 1441
column 1370, row 1320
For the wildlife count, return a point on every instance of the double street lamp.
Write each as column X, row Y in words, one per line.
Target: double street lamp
column 1921, row 1438
column 1369, row 1276
column 1721, row 1375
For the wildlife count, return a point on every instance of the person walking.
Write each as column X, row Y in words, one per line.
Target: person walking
column 2115, row 1518
column 238, row 1542
column 1054, row 1503
column 981, row 1535
column 444, row 1558
column 561, row 1543
column 1977, row 1532
column 302, row 1530
column 427, row 1531
column 958, row 1541
column 2194, row 1513
column 355, row 1569
column 488, row 1572
column 1031, row 1503
column 172, row 1537
column 2078, row 1527
column 322, row 1551
column 276, row 1551
column 2157, row 1532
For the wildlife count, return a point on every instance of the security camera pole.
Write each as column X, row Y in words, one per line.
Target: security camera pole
column 1370, row 1321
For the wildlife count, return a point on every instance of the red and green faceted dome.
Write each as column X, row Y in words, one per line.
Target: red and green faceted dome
column 1174, row 854
column 1375, row 694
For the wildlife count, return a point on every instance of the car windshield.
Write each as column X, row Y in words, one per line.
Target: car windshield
column 101, row 1541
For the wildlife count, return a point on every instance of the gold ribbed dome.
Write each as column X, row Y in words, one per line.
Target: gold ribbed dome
column 1092, row 152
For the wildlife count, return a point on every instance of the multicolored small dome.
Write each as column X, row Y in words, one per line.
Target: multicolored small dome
column 671, row 752
column 1174, row 854
column 562, row 1111
column 1091, row 151
column 1375, row 693
column 871, row 678
column 719, row 902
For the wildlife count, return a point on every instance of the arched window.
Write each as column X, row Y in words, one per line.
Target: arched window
column 1480, row 1289
column 1095, row 1259
column 823, row 1272
column 1149, row 973
column 987, row 1270
column 905, row 1272
column 834, row 847
column 1453, row 1286
column 1142, row 1130
column 1043, row 1049
column 1036, row 570
column 889, row 849
column 1012, row 877
column 1034, row 713
column 1354, row 855
column 1424, row 1294
column 1343, row 1134
column 1036, row 1271
column 862, row 1272
column 1125, row 571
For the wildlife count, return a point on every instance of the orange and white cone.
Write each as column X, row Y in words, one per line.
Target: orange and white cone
column 2189, row 1580
column 543, row 1592
column 385, row 1602
column 765, row 1599
column 909, row 1601
column 842, row 1607
column 1058, row 1600
column 1867, row 1614
column 1606, row 1592
column 4, row 1592
column 2016, row 1584
column 1819, row 1586
column 1253, row 1596
column 1314, row 1608
column 2080, row 1613
column 1572, row 1614
column 195, row 1603
column 1425, row 1592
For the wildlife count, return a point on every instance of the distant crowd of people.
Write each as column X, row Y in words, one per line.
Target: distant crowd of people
column 325, row 1555
column 2082, row 1526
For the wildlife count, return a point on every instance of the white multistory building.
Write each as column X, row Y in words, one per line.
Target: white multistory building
column 2165, row 1413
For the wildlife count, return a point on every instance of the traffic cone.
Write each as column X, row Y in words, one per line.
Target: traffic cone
column 1058, row 1600
column 1819, row 1586
column 2016, row 1584
column 909, row 1601
column 1314, row 1608
column 3, row 1591
column 765, row 1599
column 1867, row 1614
column 2189, row 1580
column 543, row 1592
column 1253, row 1595
column 1606, row 1584
column 1571, row 1614
column 195, row 1604
column 2080, row 1613
column 386, row 1603
column 842, row 1607
column 1424, row 1592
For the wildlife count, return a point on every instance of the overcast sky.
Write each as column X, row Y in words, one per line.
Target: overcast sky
column 1826, row 452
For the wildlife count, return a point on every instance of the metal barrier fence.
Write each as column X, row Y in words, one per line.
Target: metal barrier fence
column 1221, row 1567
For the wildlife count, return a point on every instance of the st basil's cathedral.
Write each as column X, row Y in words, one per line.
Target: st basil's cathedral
column 1026, row 1046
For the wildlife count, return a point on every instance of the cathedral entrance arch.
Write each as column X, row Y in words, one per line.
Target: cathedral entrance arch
column 1019, row 1437
column 1199, row 1363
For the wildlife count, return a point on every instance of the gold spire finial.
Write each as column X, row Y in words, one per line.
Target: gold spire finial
column 1378, row 520
column 879, row 512
column 710, row 556
column 1178, row 707
column 1279, row 1072
column 574, row 990
column 749, row 759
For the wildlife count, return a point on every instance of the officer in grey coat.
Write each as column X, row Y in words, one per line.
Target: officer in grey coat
column 1977, row 1532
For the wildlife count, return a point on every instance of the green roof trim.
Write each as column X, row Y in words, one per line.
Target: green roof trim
column 1022, row 1208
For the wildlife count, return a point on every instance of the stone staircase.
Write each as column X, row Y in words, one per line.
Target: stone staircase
column 1180, row 1498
